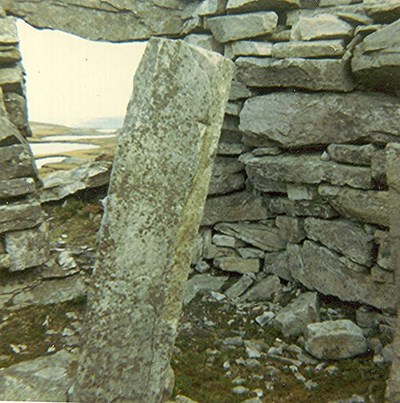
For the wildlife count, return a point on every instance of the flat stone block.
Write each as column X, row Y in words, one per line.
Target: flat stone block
column 248, row 48
column 238, row 265
column 308, row 49
column 238, row 6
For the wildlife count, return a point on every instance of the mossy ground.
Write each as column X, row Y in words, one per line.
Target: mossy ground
column 200, row 354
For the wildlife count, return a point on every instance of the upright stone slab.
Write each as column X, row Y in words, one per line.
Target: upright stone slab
column 154, row 206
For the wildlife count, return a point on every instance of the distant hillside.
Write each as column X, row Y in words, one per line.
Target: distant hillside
column 111, row 123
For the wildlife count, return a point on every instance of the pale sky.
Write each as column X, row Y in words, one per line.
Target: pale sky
column 70, row 80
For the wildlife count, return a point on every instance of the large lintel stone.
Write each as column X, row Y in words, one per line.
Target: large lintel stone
column 312, row 74
column 158, row 187
column 300, row 119
column 233, row 27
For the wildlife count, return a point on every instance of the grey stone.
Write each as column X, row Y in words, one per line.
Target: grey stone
column 236, row 6
column 249, row 253
column 343, row 236
column 239, row 91
column 28, row 248
column 227, row 240
column 301, row 208
column 309, row 169
column 277, row 263
column 383, row 10
column 211, row 7
column 352, row 154
column 11, row 78
column 202, row 282
column 264, row 236
column 5, row 261
column 238, row 265
column 264, row 290
column 384, row 258
column 234, row 108
column 16, row 217
column 223, row 184
column 8, row 31
column 233, row 27
column 311, row 74
column 151, row 212
column 308, row 49
column 265, row 318
column 318, row 268
column 42, row 379
column 321, row 26
column 205, row 41
column 380, row 275
column 16, row 161
column 230, row 149
column 285, row 118
column 114, row 20
column 59, row 185
column 336, row 339
column 237, row 289
column 378, row 167
column 294, row 317
column 248, row 48
column 366, row 206
column 17, row 187
column 301, row 192
column 9, row 54
column 226, row 165
column 235, row 207
column 16, row 106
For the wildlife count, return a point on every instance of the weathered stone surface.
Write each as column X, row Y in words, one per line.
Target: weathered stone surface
column 227, row 240
column 248, row 48
column 28, row 248
column 11, row 78
column 15, row 217
column 294, row 317
column 18, row 112
column 16, row 187
column 264, row 236
column 16, row 162
column 277, row 263
column 235, row 207
column 366, row 206
column 383, row 10
column 312, row 74
column 286, row 119
column 308, row 169
column 226, row 183
column 321, row 269
column 132, row 296
column 202, row 282
column 9, row 54
column 58, row 185
column 301, row 192
column 352, row 154
column 239, row 91
column 205, row 41
column 322, row 26
column 114, row 20
column 226, row 165
column 236, row 6
column 384, row 258
column 42, row 379
column 291, row 228
column 380, row 275
column 238, row 265
column 301, row 208
column 346, row 237
column 8, row 31
column 308, row 49
column 234, row 27
column 264, row 290
column 210, row 7
column 376, row 59
column 9, row 134
column 335, row 339
column 237, row 289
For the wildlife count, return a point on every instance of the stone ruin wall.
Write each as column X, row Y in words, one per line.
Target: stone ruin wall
column 299, row 187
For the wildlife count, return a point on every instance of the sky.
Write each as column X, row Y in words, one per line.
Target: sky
column 71, row 80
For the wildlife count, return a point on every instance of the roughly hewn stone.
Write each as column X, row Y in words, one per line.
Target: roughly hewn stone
column 18, row 112
column 321, row 269
column 239, row 91
column 352, row 154
column 311, row 74
column 11, row 79
column 42, row 379
column 223, row 184
column 346, row 237
column 9, row 54
column 227, row 241
column 264, row 290
column 376, row 59
column 248, row 48
column 301, row 192
column 384, row 258
column 238, row 6
column 294, row 317
column 28, row 248
column 277, row 263
column 264, row 236
column 291, row 228
column 237, row 289
column 8, row 31
column 238, row 265
column 58, row 185
column 383, row 10
column 17, row 187
column 210, row 7
column 286, row 119
column 202, row 282
column 366, row 206
column 321, row 26
column 308, row 49
column 205, row 41
column 16, row 162
column 233, row 27
column 235, row 207
column 15, row 217
column 308, row 169
column 132, row 296
column 335, row 339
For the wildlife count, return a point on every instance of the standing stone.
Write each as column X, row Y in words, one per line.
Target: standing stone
column 392, row 168
column 157, row 192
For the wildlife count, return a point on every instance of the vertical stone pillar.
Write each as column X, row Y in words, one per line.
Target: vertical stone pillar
column 154, row 206
column 393, row 177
